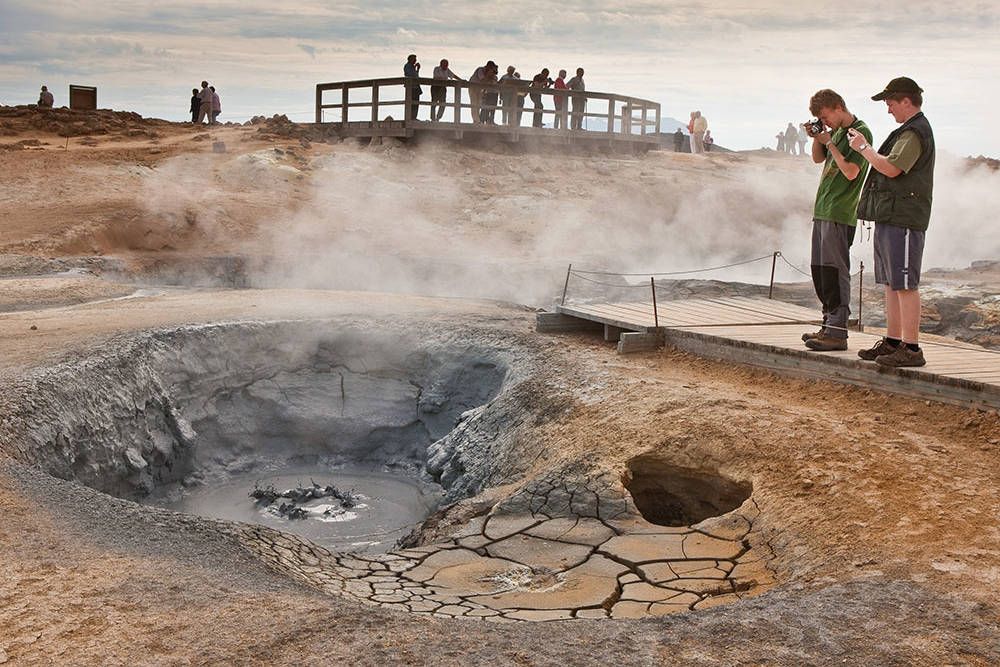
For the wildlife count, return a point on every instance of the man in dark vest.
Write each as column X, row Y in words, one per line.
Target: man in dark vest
column 897, row 197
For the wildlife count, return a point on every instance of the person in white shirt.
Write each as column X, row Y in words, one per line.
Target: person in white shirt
column 438, row 93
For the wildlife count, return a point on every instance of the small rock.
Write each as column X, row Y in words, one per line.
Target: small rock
column 33, row 327
column 219, row 147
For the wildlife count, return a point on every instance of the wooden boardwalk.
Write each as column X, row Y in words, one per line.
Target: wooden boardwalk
column 767, row 333
column 389, row 107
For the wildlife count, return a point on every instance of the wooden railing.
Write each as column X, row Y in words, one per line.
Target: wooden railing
column 495, row 106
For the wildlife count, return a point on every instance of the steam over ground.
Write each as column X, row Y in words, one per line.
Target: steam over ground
column 475, row 223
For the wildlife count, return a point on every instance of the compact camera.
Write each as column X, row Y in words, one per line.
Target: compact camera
column 814, row 126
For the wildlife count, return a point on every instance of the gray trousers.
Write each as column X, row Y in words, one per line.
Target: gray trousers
column 831, row 273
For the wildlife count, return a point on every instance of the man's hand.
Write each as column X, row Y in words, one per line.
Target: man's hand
column 822, row 137
column 857, row 140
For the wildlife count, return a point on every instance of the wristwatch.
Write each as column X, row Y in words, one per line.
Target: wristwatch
column 863, row 147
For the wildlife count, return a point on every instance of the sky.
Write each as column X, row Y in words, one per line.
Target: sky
column 749, row 67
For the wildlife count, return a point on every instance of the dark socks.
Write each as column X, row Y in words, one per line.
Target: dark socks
column 912, row 347
column 893, row 342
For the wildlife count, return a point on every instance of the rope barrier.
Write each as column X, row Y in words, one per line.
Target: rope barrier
column 672, row 273
column 583, row 275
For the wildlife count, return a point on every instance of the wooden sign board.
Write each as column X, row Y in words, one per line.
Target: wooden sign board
column 82, row 97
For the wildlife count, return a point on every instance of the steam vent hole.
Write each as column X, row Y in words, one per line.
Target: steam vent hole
column 668, row 495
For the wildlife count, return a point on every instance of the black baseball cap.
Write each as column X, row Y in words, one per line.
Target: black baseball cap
column 902, row 84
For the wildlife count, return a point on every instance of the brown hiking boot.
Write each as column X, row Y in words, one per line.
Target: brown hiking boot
column 824, row 343
column 877, row 350
column 810, row 336
column 902, row 357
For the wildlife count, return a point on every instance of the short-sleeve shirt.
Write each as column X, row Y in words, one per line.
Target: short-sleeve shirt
column 837, row 197
column 905, row 152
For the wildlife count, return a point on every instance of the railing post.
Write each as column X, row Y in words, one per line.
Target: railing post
column 566, row 285
column 345, row 97
column 656, row 315
column 861, row 286
column 407, row 101
column 657, row 107
column 374, row 103
column 458, row 102
column 642, row 114
column 774, row 261
column 611, row 115
column 319, row 104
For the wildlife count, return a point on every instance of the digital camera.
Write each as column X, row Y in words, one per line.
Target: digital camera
column 814, row 126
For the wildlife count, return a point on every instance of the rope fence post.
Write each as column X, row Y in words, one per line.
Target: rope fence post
column 861, row 286
column 566, row 285
column 656, row 316
column 774, row 261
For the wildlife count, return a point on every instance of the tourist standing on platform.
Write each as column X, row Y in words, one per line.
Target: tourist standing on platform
column 540, row 80
column 579, row 101
column 412, row 70
column 205, row 109
column 195, row 105
column 491, row 96
column 508, row 94
column 559, row 99
column 897, row 197
column 709, row 141
column 699, row 125
column 479, row 78
column 45, row 99
column 802, row 138
column 439, row 93
column 834, row 214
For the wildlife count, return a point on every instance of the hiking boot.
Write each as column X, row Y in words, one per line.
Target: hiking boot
column 902, row 357
column 810, row 336
column 877, row 350
column 824, row 343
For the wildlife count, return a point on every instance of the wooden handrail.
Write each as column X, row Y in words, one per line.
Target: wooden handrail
column 626, row 116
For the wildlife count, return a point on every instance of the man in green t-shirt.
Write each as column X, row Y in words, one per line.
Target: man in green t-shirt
column 834, row 215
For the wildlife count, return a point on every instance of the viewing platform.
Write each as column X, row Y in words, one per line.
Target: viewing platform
column 374, row 108
column 767, row 333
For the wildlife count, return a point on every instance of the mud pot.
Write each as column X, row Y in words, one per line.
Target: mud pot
column 323, row 448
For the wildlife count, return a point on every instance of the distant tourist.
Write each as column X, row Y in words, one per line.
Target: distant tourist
column 195, row 105
column 700, row 127
column 709, row 141
column 802, row 139
column 439, row 93
column 481, row 77
column 491, row 95
column 205, row 108
column 678, row 140
column 834, row 215
column 897, row 197
column 559, row 99
column 791, row 138
column 216, row 106
column 45, row 98
column 539, row 81
column 412, row 70
column 579, row 101
column 780, row 136
column 508, row 94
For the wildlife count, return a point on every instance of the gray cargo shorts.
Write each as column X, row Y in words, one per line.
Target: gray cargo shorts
column 898, row 252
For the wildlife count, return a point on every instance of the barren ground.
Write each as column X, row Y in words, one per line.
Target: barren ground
column 880, row 511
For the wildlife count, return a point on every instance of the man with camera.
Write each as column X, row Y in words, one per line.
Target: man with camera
column 834, row 214
column 897, row 197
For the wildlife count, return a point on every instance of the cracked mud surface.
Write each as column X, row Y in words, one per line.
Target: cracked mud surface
column 873, row 522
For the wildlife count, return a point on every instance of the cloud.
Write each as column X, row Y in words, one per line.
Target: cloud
column 750, row 66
